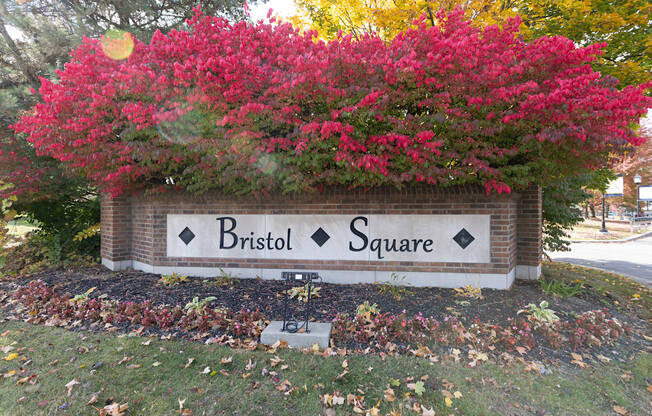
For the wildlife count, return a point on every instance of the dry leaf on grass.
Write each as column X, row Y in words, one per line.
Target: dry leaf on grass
column 389, row 394
column 427, row 412
column 114, row 409
column 72, row 383
column 93, row 399
column 6, row 349
column 621, row 410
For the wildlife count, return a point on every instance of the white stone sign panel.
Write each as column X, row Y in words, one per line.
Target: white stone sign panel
column 416, row 238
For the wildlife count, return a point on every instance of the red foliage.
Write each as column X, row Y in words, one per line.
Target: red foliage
column 258, row 107
column 384, row 330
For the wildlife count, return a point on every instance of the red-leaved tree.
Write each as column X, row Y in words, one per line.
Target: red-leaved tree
column 255, row 108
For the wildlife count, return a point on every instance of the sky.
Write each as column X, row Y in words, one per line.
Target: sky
column 283, row 8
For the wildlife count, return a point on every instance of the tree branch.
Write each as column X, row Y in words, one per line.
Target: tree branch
column 20, row 62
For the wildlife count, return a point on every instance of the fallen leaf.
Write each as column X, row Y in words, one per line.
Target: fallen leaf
column 389, row 394
column 620, row 410
column 134, row 366
column 374, row 411
column 226, row 360
column 10, row 357
column 341, row 375
column 93, row 399
column 115, row 409
column 447, row 384
column 427, row 412
column 603, row 358
column 190, row 361
column 156, row 364
column 276, row 361
column 577, row 360
column 417, row 387
column 23, row 380
column 72, row 383
column 448, row 402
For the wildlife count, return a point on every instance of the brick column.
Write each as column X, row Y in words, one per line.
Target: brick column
column 115, row 248
column 529, row 234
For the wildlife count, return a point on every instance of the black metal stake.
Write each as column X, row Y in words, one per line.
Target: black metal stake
column 309, row 284
column 290, row 323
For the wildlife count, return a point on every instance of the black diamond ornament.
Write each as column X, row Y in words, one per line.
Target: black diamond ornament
column 463, row 238
column 186, row 235
column 320, row 237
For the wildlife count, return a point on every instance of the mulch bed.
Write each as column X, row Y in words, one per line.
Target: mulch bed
column 497, row 306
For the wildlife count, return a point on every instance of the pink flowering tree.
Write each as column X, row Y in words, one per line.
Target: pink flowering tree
column 263, row 107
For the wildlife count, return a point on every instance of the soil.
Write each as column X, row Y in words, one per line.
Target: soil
column 496, row 306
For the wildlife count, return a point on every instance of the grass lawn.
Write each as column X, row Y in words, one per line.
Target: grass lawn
column 156, row 377
column 589, row 230
column 20, row 227
column 614, row 287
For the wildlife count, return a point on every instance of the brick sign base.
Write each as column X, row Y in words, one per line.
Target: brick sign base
column 430, row 236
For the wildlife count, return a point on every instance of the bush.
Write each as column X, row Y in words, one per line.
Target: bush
column 253, row 108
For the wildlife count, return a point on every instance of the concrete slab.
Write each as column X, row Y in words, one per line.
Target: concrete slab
column 320, row 334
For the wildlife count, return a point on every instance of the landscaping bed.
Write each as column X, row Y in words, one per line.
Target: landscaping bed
column 496, row 306
column 396, row 319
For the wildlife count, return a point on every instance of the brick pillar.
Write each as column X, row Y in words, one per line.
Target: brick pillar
column 529, row 234
column 115, row 249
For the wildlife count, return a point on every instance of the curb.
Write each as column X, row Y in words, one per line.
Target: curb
column 623, row 240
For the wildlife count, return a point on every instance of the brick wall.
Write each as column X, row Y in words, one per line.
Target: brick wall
column 115, row 229
column 529, row 234
column 134, row 231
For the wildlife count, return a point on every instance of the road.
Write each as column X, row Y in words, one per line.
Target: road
column 633, row 259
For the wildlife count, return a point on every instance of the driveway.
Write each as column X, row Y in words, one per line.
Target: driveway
column 633, row 259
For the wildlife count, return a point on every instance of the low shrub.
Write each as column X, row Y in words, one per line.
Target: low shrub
column 561, row 288
column 396, row 287
column 173, row 279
